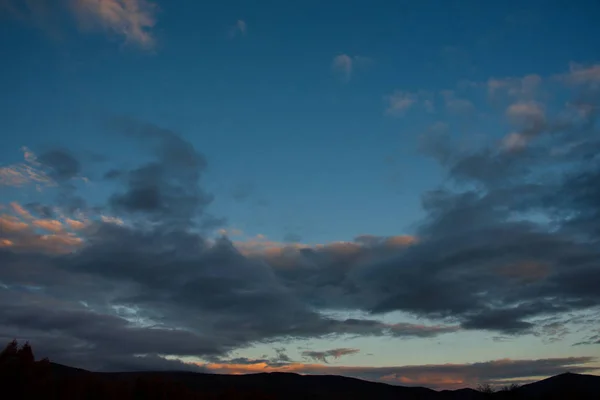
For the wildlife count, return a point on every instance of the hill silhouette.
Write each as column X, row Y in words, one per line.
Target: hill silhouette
column 43, row 379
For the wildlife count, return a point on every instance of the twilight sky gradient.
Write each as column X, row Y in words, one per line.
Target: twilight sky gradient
column 400, row 191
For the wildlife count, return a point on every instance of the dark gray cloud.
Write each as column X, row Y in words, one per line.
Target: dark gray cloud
column 243, row 191
column 323, row 356
column 156, row 278
column 44, row 211
column 278, row 360
column 510, row 240
column 167, row 189
column 63, row 165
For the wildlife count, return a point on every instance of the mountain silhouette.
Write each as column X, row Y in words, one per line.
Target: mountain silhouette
column 283, row 385
column 30, row 379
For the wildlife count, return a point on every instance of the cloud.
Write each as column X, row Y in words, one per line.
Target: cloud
column 167, row 189
column 324, row 355
column 133, row 20
column 526, row 88
column 111, row 220
column 62, row 165
column 455, row 104
column 49, row 225
column 508, row 245
column 240, row 28
column 530, row 119
column 582, row 75
column 399, row 102
column 11, row 225
column 25, row 173
column 514, row 141
column 75, row 224
column 152, row 259
column 230, row 232
column 344, row 66
column 526, row 113
column 22, row 212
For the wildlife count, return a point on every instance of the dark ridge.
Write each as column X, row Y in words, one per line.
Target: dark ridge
column 30, row 379
column 563, row 386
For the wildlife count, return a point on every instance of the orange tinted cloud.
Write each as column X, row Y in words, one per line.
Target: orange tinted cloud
column 22, row 174
column 427, row 380
column 237, row 369
column 10, row 224
column 19, row 235
column 6, row 243
column 51, row 225
column 51, row 243
column 74, row 224
column 401, row 240
column 17, row 208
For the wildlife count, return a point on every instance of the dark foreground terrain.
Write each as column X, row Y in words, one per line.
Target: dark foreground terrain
column 25, row 378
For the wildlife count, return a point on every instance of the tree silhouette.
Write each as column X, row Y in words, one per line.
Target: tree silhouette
column 11, row 350
column 485, row 388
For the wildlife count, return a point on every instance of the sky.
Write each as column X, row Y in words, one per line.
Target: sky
column 399, row 191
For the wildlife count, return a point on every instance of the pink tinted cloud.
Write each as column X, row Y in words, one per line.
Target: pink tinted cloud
column 526, row 114
column 133, row 20
column 582, row 75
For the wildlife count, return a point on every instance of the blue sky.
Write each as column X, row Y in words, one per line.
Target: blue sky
column 320, row 122
column 267, row 101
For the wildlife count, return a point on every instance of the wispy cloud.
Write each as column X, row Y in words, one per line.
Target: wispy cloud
column 582, row 75
column 526, row 113
column 455, row 104
column 399, row 102
column 240, row 28
column 525, row 88
column 344, row 66
column 514, row 142
column 27, row 172
column 131, row 19
column 20, row 210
